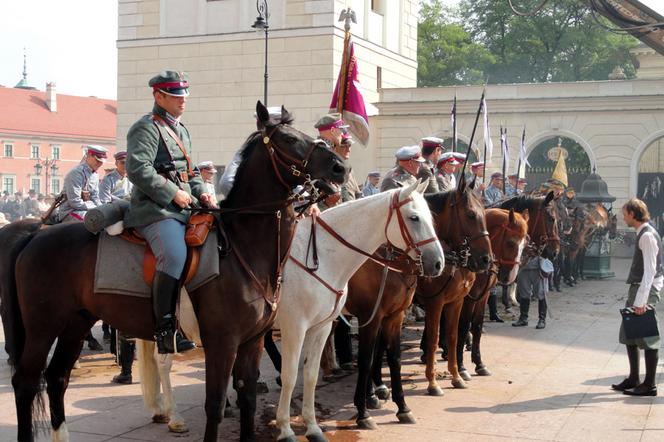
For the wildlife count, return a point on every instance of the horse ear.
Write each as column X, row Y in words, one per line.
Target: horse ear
column 286, row 116
column 405, row 193
column 548, row 199
column 262, row 114
column 511, row 218
column 526, row 215
column 422, row 187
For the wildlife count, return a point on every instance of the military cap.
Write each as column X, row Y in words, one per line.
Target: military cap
column 513, row 175
column 523, row 181
column 31, row 192
column 207, row 165
column 121, row 155
column 429, row 144
column 570, row 189
column 99, row 152
column 459, row 156
column 448, row 157
column 374, row 173
column 410, row 153
column 496, row 175
column 329, row 121
column 477, row 165
column 171, row 83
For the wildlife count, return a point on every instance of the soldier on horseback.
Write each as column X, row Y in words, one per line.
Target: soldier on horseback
column 82, row 186
column 409, row 161
column 432, row 148
column 165, row 184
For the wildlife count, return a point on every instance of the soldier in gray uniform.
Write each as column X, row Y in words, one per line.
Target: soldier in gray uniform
column 511, row 186
column 432, row 148
column 645, row 279
column 165, row 183
column 445, row 174
column 82, row 185
column 494, row 192
column 409, row 161
column 116, row 185
column 371, row 185
column 208, row 171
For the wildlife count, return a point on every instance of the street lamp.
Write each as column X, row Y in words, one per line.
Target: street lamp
column 261, row 25
column 46, row 165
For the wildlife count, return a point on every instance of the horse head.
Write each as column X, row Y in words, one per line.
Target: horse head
column 296, row 157
column 461, row 224
column 509, row 233
column 411, row 229
column 545, row 228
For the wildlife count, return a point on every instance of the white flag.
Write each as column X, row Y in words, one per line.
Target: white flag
column 487, row 133
column 523, row 159
column 504, row 146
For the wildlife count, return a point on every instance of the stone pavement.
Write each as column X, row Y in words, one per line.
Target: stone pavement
column 550, row 385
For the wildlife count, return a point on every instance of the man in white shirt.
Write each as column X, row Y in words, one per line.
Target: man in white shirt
column 646, row 277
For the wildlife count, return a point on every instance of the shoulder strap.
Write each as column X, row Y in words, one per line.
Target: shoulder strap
column 158, row 120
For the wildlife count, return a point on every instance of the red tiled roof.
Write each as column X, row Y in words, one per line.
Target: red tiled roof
column 25, row 112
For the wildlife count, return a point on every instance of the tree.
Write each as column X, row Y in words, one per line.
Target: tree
column 446, row 53
column 561, row 43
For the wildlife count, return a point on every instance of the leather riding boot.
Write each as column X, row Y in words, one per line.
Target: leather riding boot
column 541, row 310
column 126, row 358
column 649, row 386
column 632, row 380
column 493, row 308
column 164, row 289
column 524, row 306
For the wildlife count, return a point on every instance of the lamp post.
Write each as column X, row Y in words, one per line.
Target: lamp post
column 261, row 25
column 46, row 164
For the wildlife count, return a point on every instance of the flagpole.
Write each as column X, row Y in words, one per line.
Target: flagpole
column 472, row 136
column 454, row 124
column 503, row 136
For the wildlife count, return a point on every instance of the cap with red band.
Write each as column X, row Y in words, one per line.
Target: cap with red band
column 330, row 121
column 171, row 83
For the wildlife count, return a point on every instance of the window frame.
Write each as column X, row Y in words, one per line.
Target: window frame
column 34, row 146
column 55, row 148
column 9, row 145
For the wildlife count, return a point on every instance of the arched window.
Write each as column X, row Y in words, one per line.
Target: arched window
column 544, row 156
column 650, row 185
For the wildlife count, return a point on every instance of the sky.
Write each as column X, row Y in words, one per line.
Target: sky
column 73, row 42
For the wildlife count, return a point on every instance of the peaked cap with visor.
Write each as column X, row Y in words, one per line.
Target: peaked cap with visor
column 170, row 83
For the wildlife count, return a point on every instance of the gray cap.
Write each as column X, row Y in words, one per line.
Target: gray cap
column 410, row 153
column 171, row 83
column 330, row 121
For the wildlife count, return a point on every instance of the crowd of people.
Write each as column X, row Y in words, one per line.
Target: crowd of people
column 16, row 207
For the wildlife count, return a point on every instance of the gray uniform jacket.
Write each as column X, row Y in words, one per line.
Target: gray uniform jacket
column 427, row 171
column 114, row 187
column 80, row 178
column 446, row 181
column 492, row 195
column 396, row 177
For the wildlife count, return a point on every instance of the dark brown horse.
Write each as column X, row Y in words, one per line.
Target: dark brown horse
column 508, row 232
column 456, row 213
column 233, row 310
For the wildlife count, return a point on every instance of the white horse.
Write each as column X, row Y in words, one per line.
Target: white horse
column 311, row 300
column 307, row 307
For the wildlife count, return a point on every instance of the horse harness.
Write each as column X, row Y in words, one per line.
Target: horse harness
column 395, row 264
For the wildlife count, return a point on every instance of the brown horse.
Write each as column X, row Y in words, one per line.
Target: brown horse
column 508, row 232
column 590, row 222
column 456, row 213
column 233, row 310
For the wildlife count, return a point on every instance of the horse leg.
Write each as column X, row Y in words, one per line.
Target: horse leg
column 219, row 362
column 329, row 360
column 27, row 385
column 392, row 336
column 176, row 423
column 476, row 324
column 365, row 352
column 292, row 337
column 432, row 323
column 247, row 371
column 313, row 349
column 382, row 391
column 452, row 312
column 463, row 329
column 67, row 351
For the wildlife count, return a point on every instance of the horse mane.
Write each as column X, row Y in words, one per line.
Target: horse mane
column 519, row 203
column 250, row 144
column 438, row 201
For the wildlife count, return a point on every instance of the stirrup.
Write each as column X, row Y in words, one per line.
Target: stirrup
column 165, row 340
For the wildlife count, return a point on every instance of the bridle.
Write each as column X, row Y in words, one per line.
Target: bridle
column 502, row 230
column 533, row 248
column 411, row 245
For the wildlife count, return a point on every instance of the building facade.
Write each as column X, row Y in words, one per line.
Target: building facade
column 48, row 130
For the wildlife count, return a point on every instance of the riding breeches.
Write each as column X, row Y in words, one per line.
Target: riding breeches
column 166, row 239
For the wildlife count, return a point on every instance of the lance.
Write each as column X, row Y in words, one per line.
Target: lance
column 472, row 135
column 454, row 124
column 503, row 146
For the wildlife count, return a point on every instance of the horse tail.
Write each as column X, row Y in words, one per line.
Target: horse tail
column 149, row 373
column 14, row 237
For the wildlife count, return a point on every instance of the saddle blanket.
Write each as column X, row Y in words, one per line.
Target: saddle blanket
column 119, row 267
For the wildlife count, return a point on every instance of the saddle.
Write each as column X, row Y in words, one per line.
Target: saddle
column 197, row 231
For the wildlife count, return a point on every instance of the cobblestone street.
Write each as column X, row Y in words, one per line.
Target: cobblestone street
column 549, row 385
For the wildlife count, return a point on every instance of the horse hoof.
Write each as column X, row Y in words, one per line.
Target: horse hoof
column 160, row 419
column 178, row 427
column 316, row 437
column 373, row 403
column 367, row 424
column 465, row 375
column 406, row 418
column 458, row 383
column 482, row 371
column 383, row 392
column 435, row 391
column 288, row 439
